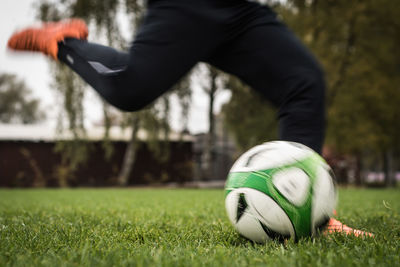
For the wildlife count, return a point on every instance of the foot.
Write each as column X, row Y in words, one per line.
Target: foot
column 45, row 39
column 334, row 226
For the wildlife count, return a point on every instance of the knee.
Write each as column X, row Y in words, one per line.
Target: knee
column 302, row 111
column 129, row 104
column 306, row 90
column 304, row 106
column 127, row 99
column 317, row 82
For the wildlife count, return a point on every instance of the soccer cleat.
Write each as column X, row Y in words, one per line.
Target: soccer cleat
column 45, row 39
column 335, row 226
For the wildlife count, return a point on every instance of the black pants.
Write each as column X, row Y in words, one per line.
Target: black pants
column 240, row 37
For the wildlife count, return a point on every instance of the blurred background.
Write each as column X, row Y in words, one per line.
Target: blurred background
column 56, row 132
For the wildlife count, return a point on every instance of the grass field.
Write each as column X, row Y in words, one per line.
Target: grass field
column 160, row 227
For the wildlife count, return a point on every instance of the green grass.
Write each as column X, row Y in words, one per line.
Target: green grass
column 159, row 227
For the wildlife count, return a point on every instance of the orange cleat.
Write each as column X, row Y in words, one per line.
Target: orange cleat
column 334, row 226
column 45, row 38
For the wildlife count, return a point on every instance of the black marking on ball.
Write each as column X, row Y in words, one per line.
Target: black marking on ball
column 269, row 230
column 274, row 235
column 241, row 207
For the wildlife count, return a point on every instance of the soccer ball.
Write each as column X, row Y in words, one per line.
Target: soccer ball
column 280, row 190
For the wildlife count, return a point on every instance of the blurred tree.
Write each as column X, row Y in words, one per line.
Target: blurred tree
column 16, row 102
column 330, row 29
column 356, row 42
column 103, row 16
column 360, row 56
column 213, row 82
column 74, row 152
column 249, row 116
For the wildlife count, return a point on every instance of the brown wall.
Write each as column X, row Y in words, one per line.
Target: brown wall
column 25, row 164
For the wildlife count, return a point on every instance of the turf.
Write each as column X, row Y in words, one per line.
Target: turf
column 160, row 227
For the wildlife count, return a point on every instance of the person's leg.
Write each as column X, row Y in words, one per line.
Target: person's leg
column 269, row 58
column 97, row 65
column 172, row 39
column 163, row 51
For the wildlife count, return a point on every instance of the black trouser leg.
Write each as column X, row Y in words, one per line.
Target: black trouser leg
column 239, row 37
column 98, row 65
column 167, row 46
column 269, row 58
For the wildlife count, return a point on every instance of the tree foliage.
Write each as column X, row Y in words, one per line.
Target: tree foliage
column 356, row 42
column 212, row 83
column 16, row 102
column 74, row 152
column 103, row 17
column 249, row 116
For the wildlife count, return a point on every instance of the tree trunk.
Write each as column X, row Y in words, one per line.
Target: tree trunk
column 38, row 178
column 385, row 167
column 358, row 169
column 209, row 153
column 106, row 144
column 130, row 154
column 388, row 168
column 345, row 63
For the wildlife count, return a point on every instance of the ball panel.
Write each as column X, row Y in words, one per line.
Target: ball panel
column 324, row 198
column 270, row 214
column 270, row 155
column 241, row 207
column 260, row 218
column 261, row 181
column 274, row 235
column 246, row 224
column 251, row 228
column 255, row 180
column 293, row 184
column 231, row 203
column 290, row 180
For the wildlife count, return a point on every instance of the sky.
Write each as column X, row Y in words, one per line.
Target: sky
column 34, row 69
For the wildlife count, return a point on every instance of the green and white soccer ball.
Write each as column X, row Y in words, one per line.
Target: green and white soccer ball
column 280, row 190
